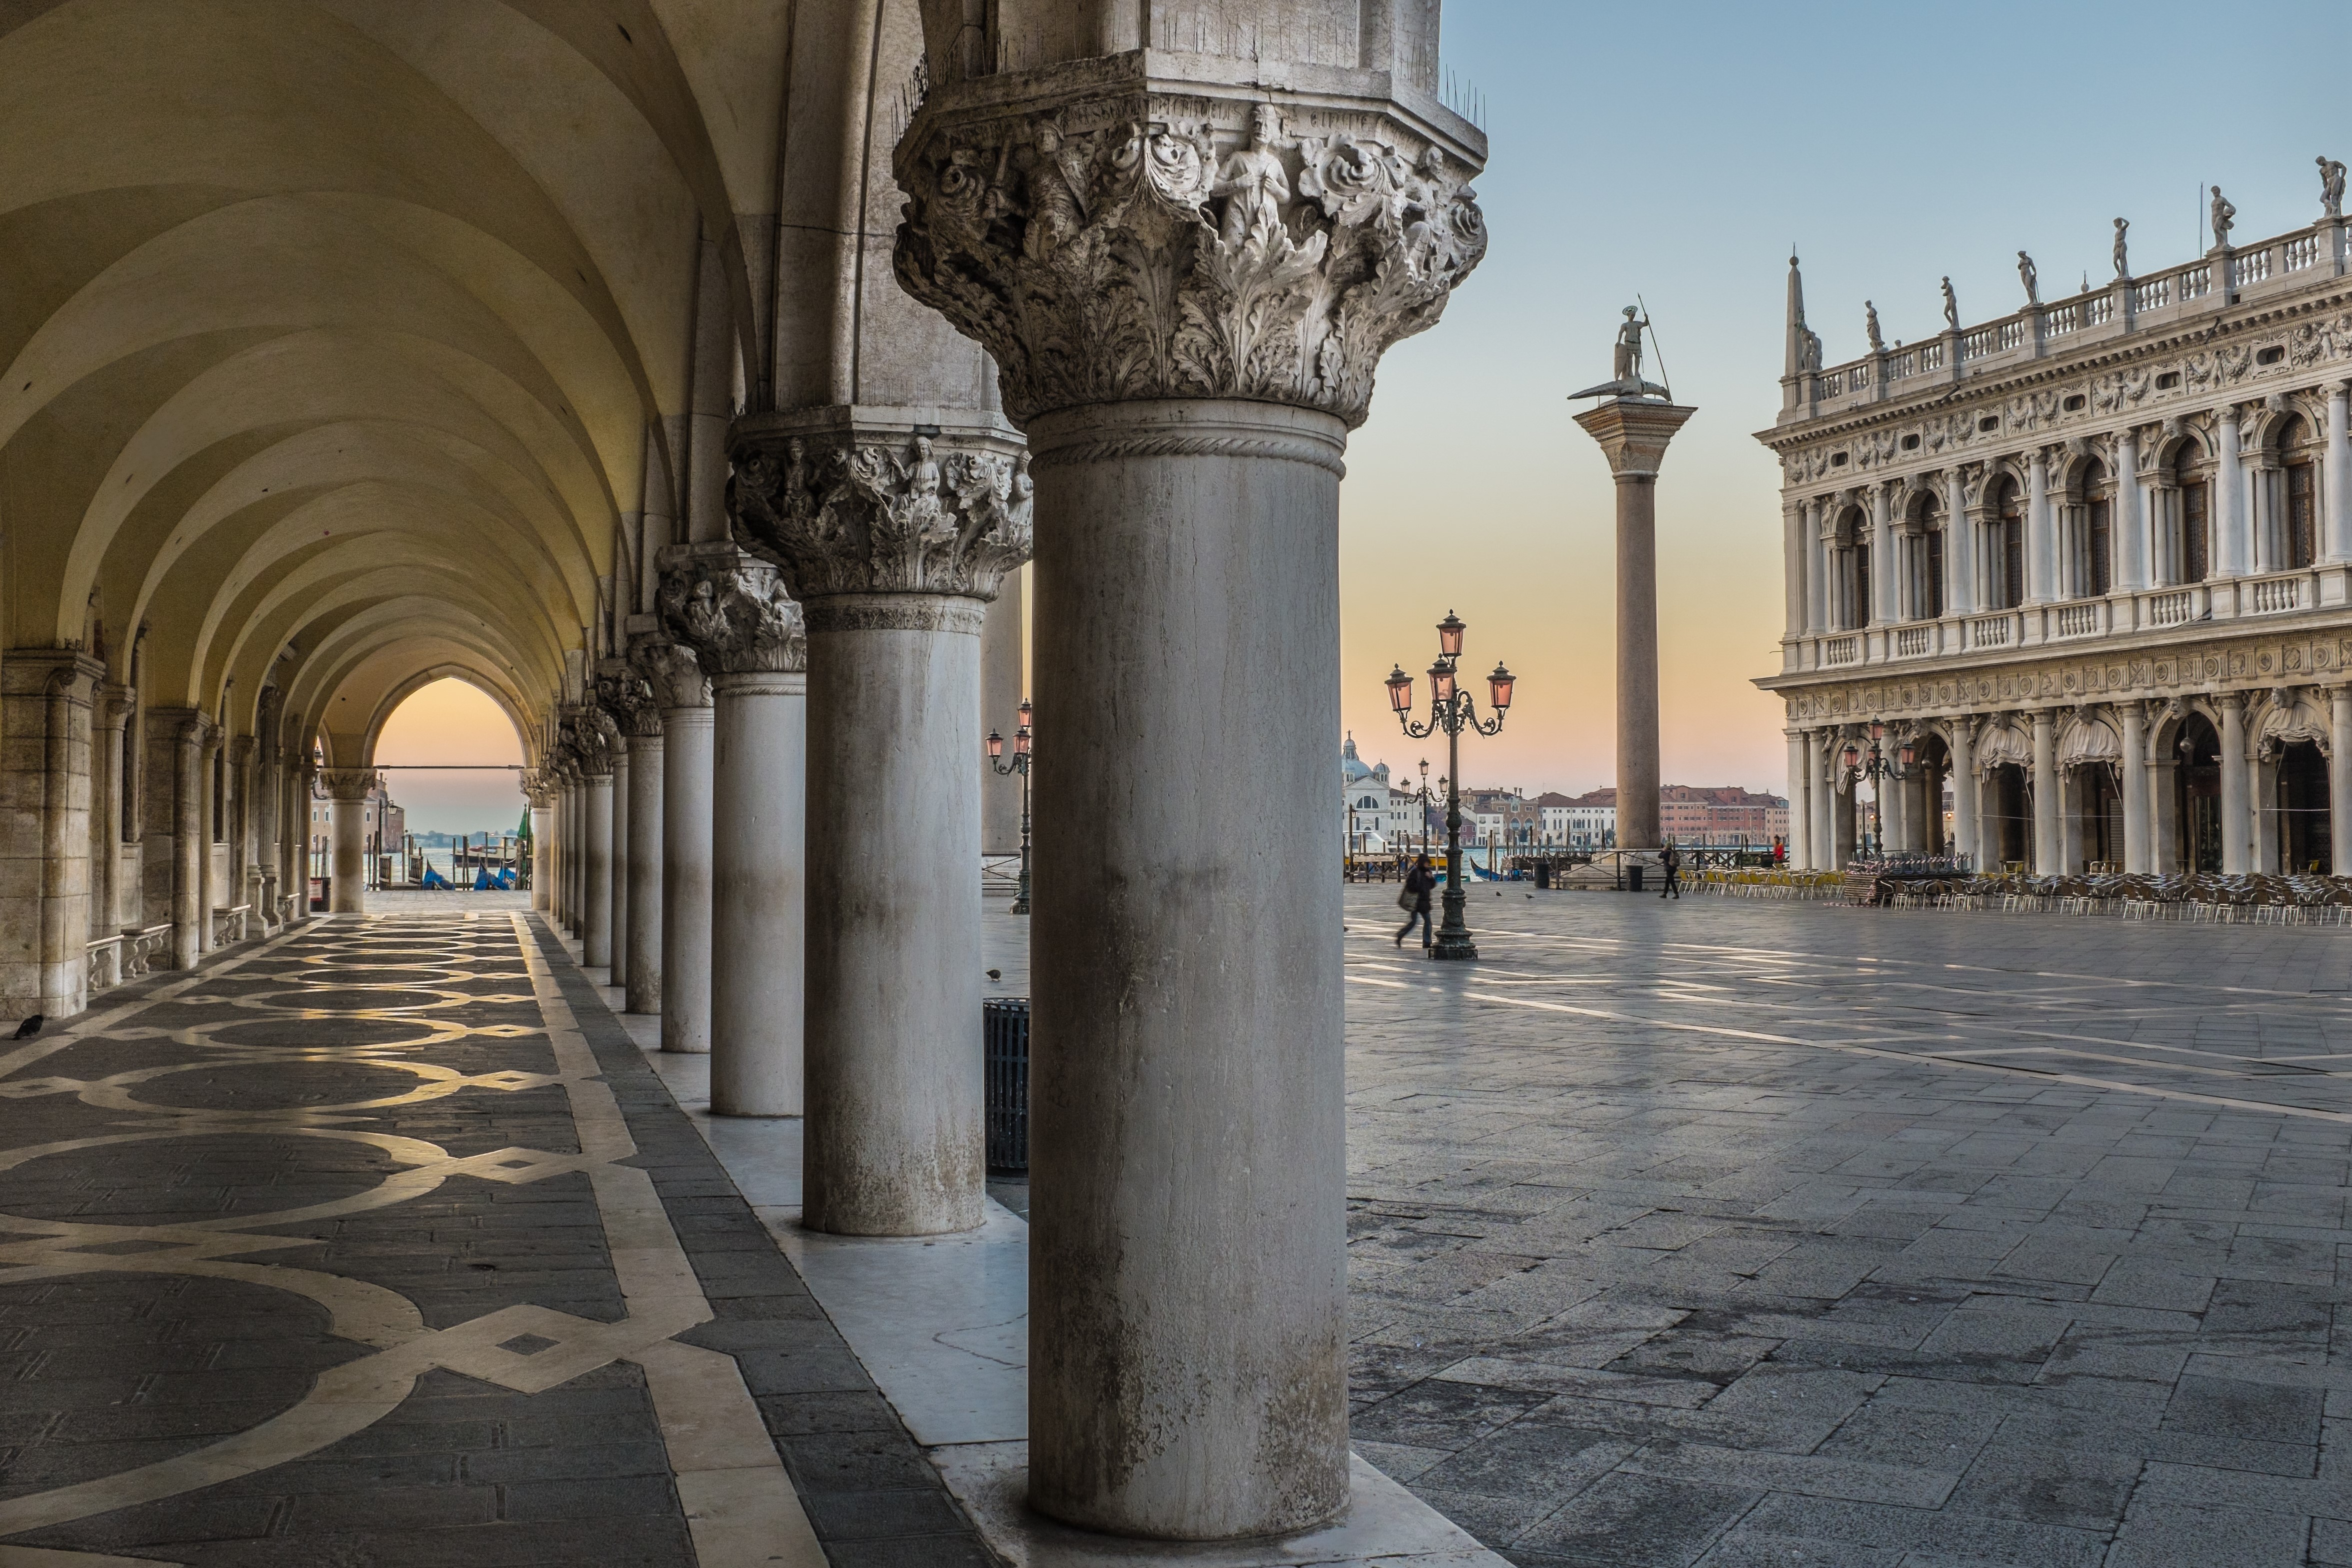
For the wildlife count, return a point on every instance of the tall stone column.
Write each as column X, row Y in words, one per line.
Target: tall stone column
column 2040, row 532
column 1799, row 804
column 2237, row 805
column 188, row 839
column 1818, row 610
column 1968, row 830
column 2233, row 540
column 2339, row 780
column 680, row 985
column 110, row 717
column 747, row 636
column 347, row 789
column 624, row 692
column 2129, row 537
column 46, row 697
column 2336, row 480
column 1826, row 856
column 1187, row 301
column 893, row 542
column 2132, row 719
column 1960, row 546
column 541, row 796
column 1633, row 432
column 2049, row 791
column 618, row 915
column 1792, row 568
column 594, row 742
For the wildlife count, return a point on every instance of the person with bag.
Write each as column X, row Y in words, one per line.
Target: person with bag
column 1414, row 900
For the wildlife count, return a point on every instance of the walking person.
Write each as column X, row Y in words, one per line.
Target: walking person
column 1673, row 860
column 1414, row 900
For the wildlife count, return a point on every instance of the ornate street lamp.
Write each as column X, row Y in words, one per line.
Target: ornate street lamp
column 1022, row 744
column 1879, row 768
column 1452, row 710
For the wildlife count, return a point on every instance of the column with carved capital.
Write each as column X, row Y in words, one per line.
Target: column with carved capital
column 2132, row 719
column 1968, row 833
column 893, row 542
column 1632, row 432
column 747, row 636
column 46, row 695
column 110, row 713
column 2049, row 793
column 1187, row 290
column 625, row 694
column 347, row 790
column 679, row 983
column 619, row 696
column 593, row 742
column 2339, row 780
column 2237, row 798
column 540, row 793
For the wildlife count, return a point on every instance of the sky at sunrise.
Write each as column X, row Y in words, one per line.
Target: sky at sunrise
column 1676, row 152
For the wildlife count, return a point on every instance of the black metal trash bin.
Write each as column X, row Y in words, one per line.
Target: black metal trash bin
column 1634, row 877
column 1004, row 1030
column 1543, row 873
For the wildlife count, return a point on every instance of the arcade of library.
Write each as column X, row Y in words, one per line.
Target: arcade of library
column 2087, row 565
column 692, row 376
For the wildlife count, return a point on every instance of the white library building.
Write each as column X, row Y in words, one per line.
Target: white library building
column 2088, row 564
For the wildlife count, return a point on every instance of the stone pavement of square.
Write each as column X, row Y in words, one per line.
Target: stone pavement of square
column 1732, row 1234
column 380, row 1244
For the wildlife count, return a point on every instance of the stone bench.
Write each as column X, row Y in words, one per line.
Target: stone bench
column 229, row 923
column 141, row 946
column 104, row 965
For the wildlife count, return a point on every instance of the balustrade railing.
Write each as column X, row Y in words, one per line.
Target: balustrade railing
column 2011, row 334
column 1841, row 651
column 2173, row 608
column 2251, row 266
column 2061, row 319
column 2100, row 310
column 1906, row 363
column 1977, row 344
column 2078, row 620
column 2301, row 251
column 1990, row 631
column 2272, row 594
column 1914, row 641
column 2196, row 282
column 2153, row 295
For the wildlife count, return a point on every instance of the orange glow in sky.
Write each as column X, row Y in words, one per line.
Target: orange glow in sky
column 452, row 721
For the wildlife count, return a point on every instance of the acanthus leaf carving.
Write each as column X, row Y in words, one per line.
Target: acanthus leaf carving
column 733, row 610
column 670, row 669
column 627, row 700
column 1109, row 253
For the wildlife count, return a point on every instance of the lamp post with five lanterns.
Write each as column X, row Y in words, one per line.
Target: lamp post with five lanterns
column 1452, row 710
column 1877, row 766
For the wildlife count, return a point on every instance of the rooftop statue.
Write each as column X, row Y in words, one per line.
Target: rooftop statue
column 2223, row 212
column 1869, row 325
column 1951, row 308
column 2331, row 187
column 2029, row 278
column 2123, row 259
column 1627, row 364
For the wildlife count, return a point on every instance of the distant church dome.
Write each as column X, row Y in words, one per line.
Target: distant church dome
column 1351, row 766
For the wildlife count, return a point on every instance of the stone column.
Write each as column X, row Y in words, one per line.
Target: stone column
column 618, row 915
column 1884, row 568
column 747, row 636
column 594, row 742
column 2335, row 478
column 1633, row 432
column 541, row 796
column 2132, row 719
column 2237, row 810
column 109, row 715
column 1960, row 548
column 2232, row 553
column 1967, row 819
column 348, row 788
column 681, row 980
column 2163, row 802
column 1824, row 827
column 1817, row 574
column 1792, row 566
column 893, row 563
column 189, row 840
column 1186, row 350
column 269, row 805
column 1003, row 641
column 46, row 697
column 2049, row 851
column 2128, row 536
column 624, row 692
column 2040, row 542
column 1799, row 803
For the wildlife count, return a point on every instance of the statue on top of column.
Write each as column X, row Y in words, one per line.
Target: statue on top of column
column 1870, row 326
column 2331, row 187
column 1627, row 380
column 2123, row 256
column 2224, row 216
column 2030, row 276
column 1951, row 308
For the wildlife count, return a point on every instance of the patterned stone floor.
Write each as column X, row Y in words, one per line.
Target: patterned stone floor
column 379, row 1244
column 1739, row 1234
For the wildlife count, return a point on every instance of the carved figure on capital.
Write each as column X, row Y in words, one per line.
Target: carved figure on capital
column 1158, row 253
column 733, row 610
column 591, row 741
column 670, row 671
column 347, row 784
column 538, row 787
column 627, row 700
column 886, row 517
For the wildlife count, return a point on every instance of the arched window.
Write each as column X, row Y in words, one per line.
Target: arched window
column 1853, row 569
column 2300, row 494
column 1925, row 572
column 2196, row 521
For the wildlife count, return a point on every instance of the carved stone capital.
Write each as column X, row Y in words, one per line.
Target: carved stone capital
column 623, row 695
column 347, row 784
column 591, row 741
column 539, row 787
column 731, row 610
column 668, row 666
column 1111, row 237
column 917, row 509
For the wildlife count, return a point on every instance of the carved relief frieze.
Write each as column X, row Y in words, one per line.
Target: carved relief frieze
column 733, row 611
